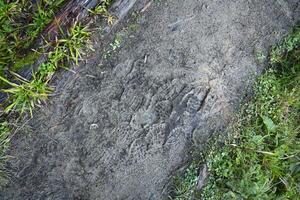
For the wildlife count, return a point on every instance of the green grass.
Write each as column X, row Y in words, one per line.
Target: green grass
column 259, row 158
column 102, row 9
column 25, row 95
column 20, row 24
column 184, row 184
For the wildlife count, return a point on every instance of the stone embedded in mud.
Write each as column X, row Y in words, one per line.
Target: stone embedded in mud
column 148, row 113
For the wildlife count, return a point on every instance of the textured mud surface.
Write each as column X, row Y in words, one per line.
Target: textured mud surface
column 119, row 129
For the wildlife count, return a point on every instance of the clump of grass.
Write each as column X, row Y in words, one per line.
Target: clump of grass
column 67, row 48
column 25, row 95
column 102, row 9
column 113, row 47
column 184, row 185
column 259, row 158
column 77, row 37
column 40, row 19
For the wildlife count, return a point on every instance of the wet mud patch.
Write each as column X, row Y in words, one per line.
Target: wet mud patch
column 123, row 124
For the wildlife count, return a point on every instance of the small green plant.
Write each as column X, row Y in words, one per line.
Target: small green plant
column 77, row 37
column 184, row 185
column 67, row 48
column 116, row 43
column 24, row 96
column 40, row 19
column 113, row 46
column 102, row 9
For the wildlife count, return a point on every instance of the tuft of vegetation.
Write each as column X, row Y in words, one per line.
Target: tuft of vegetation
column 113, row 46
column 102, row 9
column 67, row 48
column 27, row 94
column 259, row 158
column 184, row 185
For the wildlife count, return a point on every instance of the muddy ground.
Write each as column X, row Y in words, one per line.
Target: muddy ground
column 121, row 126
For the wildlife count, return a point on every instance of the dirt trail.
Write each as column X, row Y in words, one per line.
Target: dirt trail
column 119, row 129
